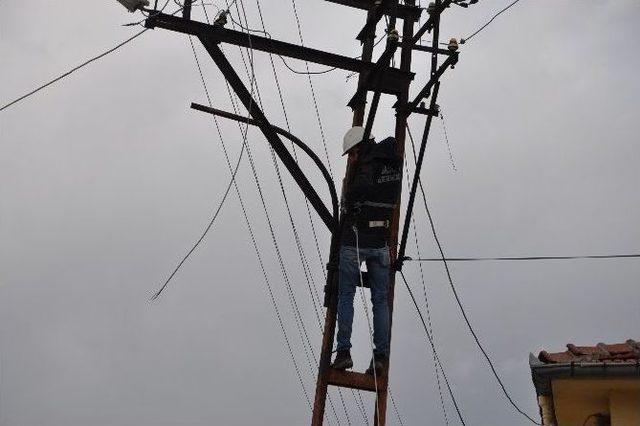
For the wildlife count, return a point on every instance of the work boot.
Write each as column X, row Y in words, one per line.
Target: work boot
column 343, row 360
column 380, row 361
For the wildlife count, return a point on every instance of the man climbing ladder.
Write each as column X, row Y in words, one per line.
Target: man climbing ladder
column 367, row 209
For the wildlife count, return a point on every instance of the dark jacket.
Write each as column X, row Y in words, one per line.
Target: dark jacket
column 373, row 192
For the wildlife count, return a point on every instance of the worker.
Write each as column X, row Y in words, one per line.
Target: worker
column 367, row 208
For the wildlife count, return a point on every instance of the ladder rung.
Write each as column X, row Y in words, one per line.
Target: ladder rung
column 353, row 380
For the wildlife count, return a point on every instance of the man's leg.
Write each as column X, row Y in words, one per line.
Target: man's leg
column 348, row 278
column 378, row 267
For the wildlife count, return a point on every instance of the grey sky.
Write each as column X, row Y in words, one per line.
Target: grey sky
column 108, row 177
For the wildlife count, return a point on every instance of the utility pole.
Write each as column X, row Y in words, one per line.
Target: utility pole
column 378, row 77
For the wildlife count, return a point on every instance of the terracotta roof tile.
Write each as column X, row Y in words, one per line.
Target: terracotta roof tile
column 628, row 351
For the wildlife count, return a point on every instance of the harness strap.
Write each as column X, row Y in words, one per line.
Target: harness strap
column 373, row 204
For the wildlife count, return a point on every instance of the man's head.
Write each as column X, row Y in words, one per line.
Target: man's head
column 352, row 139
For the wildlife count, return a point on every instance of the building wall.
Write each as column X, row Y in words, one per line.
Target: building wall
column 576, row 399
column 625, row 408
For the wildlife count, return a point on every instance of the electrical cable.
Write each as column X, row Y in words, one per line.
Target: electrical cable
column 74, row 69
column 315, row 300
column 273, row 237
column 526, row 258
column 427, row 308
column 313, row 93
column 446, row 138
column 251, row 234
column 457, row 297
column 255, row 245
column 268, row 35
column 293, row 224
column 208, row 227
column 433, row 348
column 82, row 65
column 395, row 407
column 292, row 299
column 464, row 40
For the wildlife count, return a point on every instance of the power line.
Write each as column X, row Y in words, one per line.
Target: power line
column 433, row 347
column 206, row 230
column 306, row 266
column 250, row 230
column 283, row 269
column 395, row 407
column 525, row 258
column 459, row 302
column 464, row 40
column 426, row 303
column 306, row 343
column 71, row 71
column 82, row 65
column 446, row 138
column 313, row 93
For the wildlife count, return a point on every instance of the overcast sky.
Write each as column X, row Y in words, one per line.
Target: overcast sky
column 108, row 178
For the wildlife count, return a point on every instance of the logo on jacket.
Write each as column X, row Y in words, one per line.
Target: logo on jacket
column 390, row 174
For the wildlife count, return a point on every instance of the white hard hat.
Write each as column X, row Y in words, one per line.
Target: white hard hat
column 352, row 138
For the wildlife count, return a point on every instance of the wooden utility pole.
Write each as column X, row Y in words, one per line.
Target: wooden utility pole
column 378, row 77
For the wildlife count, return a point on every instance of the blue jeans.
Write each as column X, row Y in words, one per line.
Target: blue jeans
column 377, row 260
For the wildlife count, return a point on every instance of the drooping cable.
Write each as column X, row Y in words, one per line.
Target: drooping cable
column 74, row 69
column 446, row 138
column 433, row 347
column 395, row 407
column 207, row 228
column 314, row 295
column 255, row 245
column 427, row 307
column 82, row 65
column 459, row 302
column 466, row 39
column 313, row 93
column 307, row 347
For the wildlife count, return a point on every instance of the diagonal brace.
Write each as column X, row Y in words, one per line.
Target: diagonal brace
column 449, row 62
column 378, row 70
column 416, row 179
column 272, row 137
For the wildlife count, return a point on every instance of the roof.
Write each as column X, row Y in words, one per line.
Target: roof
column 628, row 351
column 619, row 360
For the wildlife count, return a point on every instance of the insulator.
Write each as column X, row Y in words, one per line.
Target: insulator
column 453, row 45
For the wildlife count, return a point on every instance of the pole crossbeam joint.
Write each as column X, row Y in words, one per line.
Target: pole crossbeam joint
column 415, row 105
column 373, row 77
column 376, row 13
